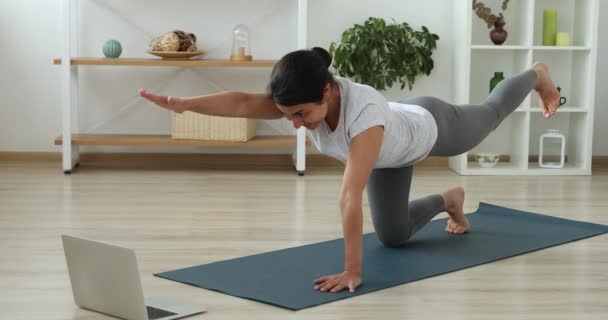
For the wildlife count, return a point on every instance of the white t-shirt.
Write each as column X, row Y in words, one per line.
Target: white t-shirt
column 410, row 131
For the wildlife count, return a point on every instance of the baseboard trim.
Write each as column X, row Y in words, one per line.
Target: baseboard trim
column 599, row 162
column 30, row 156
column 223, row 160
column 173, row 159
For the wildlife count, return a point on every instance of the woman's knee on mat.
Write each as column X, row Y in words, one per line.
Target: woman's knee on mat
column 393, row 239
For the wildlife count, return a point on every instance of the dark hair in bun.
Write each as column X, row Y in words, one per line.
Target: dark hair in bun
column 324, row 55
column 300, row 77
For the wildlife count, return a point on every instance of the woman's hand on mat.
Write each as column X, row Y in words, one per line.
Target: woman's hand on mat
column 338, row 282
column 167, row 102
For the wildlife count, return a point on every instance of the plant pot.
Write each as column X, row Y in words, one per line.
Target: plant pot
column 487, row 160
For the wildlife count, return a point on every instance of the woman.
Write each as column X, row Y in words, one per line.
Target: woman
column 380, row 141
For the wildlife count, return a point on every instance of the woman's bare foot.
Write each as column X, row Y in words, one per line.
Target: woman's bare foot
column 547, row 92
column 453, row 200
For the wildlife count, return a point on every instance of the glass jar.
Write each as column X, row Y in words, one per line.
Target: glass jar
column 241, row 42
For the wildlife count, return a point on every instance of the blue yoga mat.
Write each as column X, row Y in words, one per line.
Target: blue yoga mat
column 285, row 277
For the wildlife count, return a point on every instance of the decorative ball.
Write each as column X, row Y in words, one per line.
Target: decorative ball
column 169, row 42
column 176, row 40
column 112, row 49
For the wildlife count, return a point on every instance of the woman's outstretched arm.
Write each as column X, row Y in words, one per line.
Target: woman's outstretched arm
column 224, row 104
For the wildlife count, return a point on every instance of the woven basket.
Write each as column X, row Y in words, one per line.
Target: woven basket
column 196, row 126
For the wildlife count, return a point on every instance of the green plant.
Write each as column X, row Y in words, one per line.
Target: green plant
column 379, row 55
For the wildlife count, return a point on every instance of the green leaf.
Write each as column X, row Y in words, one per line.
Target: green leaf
column 381, row 54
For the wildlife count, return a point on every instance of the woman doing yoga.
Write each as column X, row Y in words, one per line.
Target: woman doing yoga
column 379, row 141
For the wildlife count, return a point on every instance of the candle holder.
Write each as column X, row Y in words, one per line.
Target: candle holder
column 563, row 39
column 241, row 42
column 549, row 27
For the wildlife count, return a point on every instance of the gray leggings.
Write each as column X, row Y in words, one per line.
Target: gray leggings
column 460, row 129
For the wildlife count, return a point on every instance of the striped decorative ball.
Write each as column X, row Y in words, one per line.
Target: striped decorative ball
column 112, row 49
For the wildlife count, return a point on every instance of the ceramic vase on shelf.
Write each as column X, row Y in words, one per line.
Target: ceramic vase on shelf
column 498, row 35
column 498, row 77
column 549, row 27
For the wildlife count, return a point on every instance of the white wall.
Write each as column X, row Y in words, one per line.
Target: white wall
column 29, row 87
column 31, row 32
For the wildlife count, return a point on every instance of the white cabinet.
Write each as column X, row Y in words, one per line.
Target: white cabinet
column 573, row 69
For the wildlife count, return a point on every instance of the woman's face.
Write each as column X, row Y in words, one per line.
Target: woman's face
column 308, row 115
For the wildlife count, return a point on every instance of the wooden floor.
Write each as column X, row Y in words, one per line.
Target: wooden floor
column 175, row 218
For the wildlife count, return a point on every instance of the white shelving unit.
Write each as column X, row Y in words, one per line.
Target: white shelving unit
column 70, row 140
column 573, row 69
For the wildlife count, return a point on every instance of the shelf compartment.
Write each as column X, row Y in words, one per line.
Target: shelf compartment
column 568, row 169
column 509, row 140
column 92, row 61
column 570, row 71
column 555, row 48
column 517, row 18
column 507, row 170
column 572, row 17
column 574, row 126
column 485, row 62
column 562, row 110
column 501, row 47
column 166, row 140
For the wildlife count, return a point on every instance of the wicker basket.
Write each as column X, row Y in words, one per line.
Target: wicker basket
column 196, row 126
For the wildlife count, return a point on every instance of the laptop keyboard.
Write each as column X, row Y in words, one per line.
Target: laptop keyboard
column 154, row 313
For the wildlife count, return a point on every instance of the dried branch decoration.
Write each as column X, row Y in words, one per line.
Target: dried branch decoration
column 486, row 14
column 177, row 40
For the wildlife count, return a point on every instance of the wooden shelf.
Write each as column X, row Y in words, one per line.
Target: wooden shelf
column 156, row 62
column 166, row 140
column 71, row 59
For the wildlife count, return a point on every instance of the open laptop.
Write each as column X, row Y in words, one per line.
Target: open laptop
column 105, row 278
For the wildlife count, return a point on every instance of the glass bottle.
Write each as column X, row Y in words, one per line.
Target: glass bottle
column 498, row 77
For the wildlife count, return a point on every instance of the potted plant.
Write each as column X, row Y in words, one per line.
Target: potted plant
column 380, row 55
column 498, row 35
